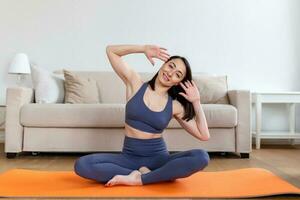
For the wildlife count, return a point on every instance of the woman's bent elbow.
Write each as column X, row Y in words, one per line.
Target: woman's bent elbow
column 204, row 138
column 108, row 48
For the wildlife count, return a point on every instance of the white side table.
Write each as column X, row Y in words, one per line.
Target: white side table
column 2, row 122
column 290, row 98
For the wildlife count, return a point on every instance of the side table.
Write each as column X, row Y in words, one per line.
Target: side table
column 290, row 99
column 2, row 122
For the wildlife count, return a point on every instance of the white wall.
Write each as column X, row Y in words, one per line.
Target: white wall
column 255, row 42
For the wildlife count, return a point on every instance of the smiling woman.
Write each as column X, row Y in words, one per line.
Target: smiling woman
column 150, row 107
column 176, row 70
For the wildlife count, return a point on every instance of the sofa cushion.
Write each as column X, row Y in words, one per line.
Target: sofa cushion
column 217, row 116
column 79, row 89
column 109, row 115
column 72, row 115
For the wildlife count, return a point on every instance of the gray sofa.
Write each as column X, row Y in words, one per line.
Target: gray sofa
column 59, row 127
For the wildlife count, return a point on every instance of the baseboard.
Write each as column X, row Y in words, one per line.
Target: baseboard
column 276, row 141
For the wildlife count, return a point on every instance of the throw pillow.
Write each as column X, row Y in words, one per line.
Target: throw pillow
column 212, row 89
column 48, row 88
column 80, row 89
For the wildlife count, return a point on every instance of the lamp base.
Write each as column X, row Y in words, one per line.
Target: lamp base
column 20, row 79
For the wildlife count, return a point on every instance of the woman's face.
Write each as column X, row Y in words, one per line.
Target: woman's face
column 172, row 72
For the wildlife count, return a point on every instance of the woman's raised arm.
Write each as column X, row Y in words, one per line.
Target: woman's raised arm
column 127, row 74
column 114, row 54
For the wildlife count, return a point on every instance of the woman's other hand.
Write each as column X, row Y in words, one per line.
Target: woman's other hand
column 153, row 51
column 192, row 93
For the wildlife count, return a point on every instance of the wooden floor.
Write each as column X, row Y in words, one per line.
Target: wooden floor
column 281, row 160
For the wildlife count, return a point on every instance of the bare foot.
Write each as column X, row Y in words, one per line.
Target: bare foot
column 134, row 178
column 144, row 170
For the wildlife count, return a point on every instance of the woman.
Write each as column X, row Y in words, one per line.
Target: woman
column 150, row 106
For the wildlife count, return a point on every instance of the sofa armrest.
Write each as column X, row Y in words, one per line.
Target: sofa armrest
column 241, row 99
column 16, row 97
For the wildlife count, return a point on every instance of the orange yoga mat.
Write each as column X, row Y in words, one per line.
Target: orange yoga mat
column 239, row 183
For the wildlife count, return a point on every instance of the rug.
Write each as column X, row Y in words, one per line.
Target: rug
column 237, row 183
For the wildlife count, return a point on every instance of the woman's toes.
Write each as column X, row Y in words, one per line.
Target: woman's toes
column 111, row 181
column 108, row 183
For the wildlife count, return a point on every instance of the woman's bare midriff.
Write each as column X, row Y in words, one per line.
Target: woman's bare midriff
column 135, row 133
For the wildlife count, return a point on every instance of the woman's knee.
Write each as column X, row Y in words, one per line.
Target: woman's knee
column 201, row 158
column 81, row 165
column 78, row 166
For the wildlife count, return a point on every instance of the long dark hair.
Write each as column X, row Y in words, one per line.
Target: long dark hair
column 189, row 111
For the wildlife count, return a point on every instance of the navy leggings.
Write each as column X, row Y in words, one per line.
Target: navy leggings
column 151, row 153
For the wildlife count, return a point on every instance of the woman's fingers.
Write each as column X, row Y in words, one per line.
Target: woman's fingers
column 161, row 53
column 165, row 54
column 164, row 51
column 185, row 96
column 163, row 48
column 183, row 86
column 164, row 57
column 186, row 84
column 193, row 83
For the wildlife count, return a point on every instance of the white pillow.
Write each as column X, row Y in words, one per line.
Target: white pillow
column 49, row 88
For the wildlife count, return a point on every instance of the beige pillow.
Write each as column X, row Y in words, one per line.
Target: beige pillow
column 213, row 89
column 80, row 89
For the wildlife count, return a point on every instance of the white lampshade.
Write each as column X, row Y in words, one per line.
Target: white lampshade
column 20, row 65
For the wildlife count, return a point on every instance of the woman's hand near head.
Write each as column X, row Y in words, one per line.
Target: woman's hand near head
column 154, row 51
column 192, row 93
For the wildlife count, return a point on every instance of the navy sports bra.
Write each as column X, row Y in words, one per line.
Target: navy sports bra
column 139, row 116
